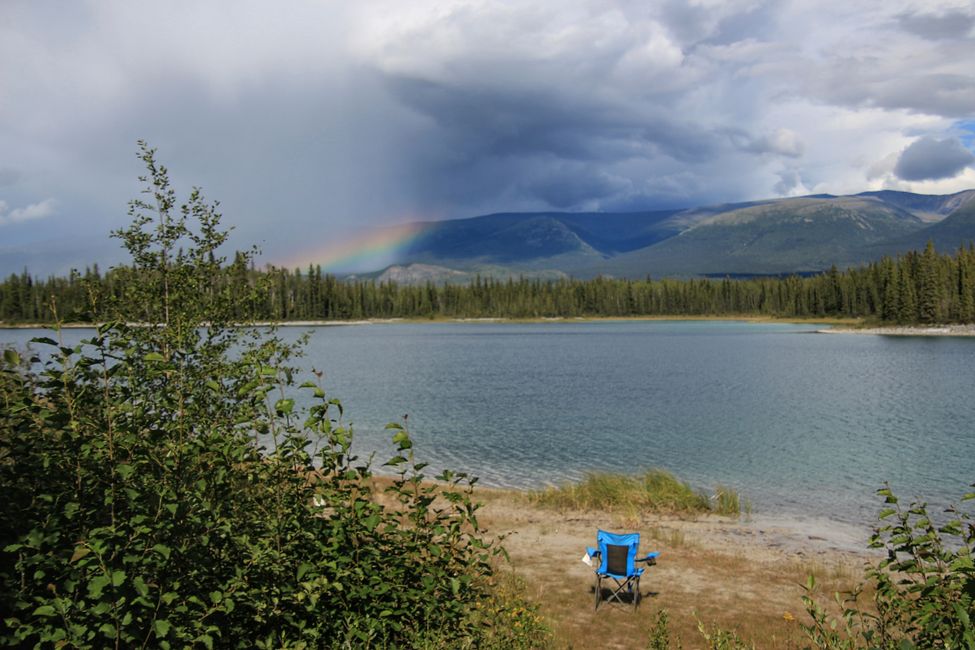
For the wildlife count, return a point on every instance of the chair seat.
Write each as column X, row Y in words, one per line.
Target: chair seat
column 619, row 576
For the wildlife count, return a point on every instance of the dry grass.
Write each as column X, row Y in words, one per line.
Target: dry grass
column 711, row 572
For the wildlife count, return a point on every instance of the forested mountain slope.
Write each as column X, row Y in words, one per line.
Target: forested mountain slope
column 775, row 236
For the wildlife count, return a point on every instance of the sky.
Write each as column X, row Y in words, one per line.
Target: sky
column 315, row 122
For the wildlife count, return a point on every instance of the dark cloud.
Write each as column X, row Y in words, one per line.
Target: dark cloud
column 947, row 25
column 558, row 148
column 932, row 159
column 571, row 186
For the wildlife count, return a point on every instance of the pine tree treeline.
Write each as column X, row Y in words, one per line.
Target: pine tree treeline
column 917, row 287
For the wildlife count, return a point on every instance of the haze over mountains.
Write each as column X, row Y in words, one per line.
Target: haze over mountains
column 777, row 236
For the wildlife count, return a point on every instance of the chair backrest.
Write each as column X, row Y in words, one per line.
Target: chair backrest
column 618, row 553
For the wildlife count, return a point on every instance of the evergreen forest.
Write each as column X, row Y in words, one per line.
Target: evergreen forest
column 917, row 287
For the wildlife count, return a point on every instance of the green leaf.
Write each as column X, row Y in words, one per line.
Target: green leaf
column 303, row 569
column 162, row 628
column 402, row 439
column 45, row 610
column 79, row 552
column 394, row 425
column 162, row 549
column 118, row 577
column 97, row 584
column 371, row 522
column 44, row 340
column 11, row 357
column 154, row 356
column 284, row 406
column 216, row 597
column 140, row 586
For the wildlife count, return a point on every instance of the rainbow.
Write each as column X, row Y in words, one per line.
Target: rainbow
column 367, row 251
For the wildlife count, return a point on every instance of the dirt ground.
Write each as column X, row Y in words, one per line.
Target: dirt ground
column 744, row 576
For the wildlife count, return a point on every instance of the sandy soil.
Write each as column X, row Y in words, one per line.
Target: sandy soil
column 740, row 575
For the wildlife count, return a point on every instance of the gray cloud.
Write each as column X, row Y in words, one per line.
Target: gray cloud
column 39, row 210
column 932, row 159
column 938, row 82
column 948, row 25
column 789, row 181
column 781, row 142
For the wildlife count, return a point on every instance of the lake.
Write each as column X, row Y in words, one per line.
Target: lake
column 802, row 424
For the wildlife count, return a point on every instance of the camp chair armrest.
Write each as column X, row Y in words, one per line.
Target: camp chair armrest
column 593, row 552
column 650, row 559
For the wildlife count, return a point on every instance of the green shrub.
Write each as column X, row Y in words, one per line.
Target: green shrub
column 163, row 486
column 923, row 590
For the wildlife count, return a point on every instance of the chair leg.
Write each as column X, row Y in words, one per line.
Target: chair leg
column 636, row 594
column 599, row 590
column 617, row 591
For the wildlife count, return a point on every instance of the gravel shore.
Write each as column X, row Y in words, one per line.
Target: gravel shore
column 913, row 330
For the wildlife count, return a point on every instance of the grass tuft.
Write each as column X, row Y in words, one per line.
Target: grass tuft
column 653, row 491
column 727, row 501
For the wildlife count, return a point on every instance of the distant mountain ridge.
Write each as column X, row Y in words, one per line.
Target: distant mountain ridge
column 775, row 236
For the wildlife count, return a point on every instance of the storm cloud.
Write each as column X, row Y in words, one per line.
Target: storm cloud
column 312, row 123
column 932, row 159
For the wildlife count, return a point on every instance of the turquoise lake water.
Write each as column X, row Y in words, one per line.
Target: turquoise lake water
column 803, row 424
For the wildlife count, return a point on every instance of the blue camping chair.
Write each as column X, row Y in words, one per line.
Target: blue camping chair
column 617, row 560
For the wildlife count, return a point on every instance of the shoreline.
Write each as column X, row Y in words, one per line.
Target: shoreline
column 905, row 330
column 784, row 536
column 744, row 318
column 823, row 325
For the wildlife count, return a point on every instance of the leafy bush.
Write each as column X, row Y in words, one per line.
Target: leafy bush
column 163, row 486
column 923, row 591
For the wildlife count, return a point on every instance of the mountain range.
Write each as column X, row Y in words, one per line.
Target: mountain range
column 770, row 237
